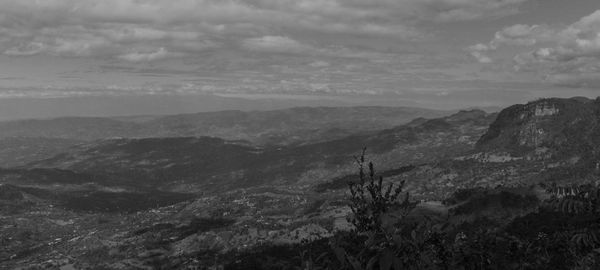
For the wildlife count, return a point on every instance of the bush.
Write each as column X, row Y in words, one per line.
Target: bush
column 564, row 233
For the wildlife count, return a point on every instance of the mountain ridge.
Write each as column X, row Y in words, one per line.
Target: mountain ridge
column 209, row 159
column 275, row 127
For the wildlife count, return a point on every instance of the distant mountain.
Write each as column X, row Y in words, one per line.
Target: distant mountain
column 10, row 193
column 18, row 151
column 153, row 160
column 289, row 126
column 546, row 141
column 143, row 201
column 213, row 163
column 167, row 104
column 278, row 127
column 542, row 142
column 75, row 128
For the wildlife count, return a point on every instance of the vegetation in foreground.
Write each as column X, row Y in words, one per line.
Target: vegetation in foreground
column 501, row 228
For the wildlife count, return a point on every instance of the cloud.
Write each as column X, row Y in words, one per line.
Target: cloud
column 147, row 56
column 571, row 57
column 319, row 64
column 521, row 35
column 581, row 39
column 110, row 28
column 465, row 10
column 479, row 55
column 287, row 45
column 278, row 44
column 575, row 80
column 248, row 46
column 516, row 35
column 576, row 40
column 103, row 41
column 29, row 49
column 565, row 56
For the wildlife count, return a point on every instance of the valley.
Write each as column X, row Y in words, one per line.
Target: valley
column 132, row 197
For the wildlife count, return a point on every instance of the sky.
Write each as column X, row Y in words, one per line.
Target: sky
column 428, row 53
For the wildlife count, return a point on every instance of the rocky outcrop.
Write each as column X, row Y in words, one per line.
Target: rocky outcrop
column 567, row 126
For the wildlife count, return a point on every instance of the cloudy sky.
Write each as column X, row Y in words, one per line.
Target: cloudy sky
column 431, row 53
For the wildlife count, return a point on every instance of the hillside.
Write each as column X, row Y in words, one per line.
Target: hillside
column 214, row 163
column 76, row 128
column 139, row 202
column 19, row 151
column 289, row 126
column 542, row 142
column 569, row 126
column 282, row 127
column 564, row 134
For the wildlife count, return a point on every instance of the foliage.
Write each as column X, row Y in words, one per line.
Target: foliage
column 388, row 239
column 563, row 233
column 370, row 203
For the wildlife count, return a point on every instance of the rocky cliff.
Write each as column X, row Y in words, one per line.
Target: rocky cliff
column 566, row 125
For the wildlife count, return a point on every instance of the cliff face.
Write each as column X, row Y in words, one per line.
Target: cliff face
column 564, row 126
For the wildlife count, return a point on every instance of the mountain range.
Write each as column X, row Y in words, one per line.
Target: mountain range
column 541, row 140
column 201, row 163
column 286, row 126
column 189, row 184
